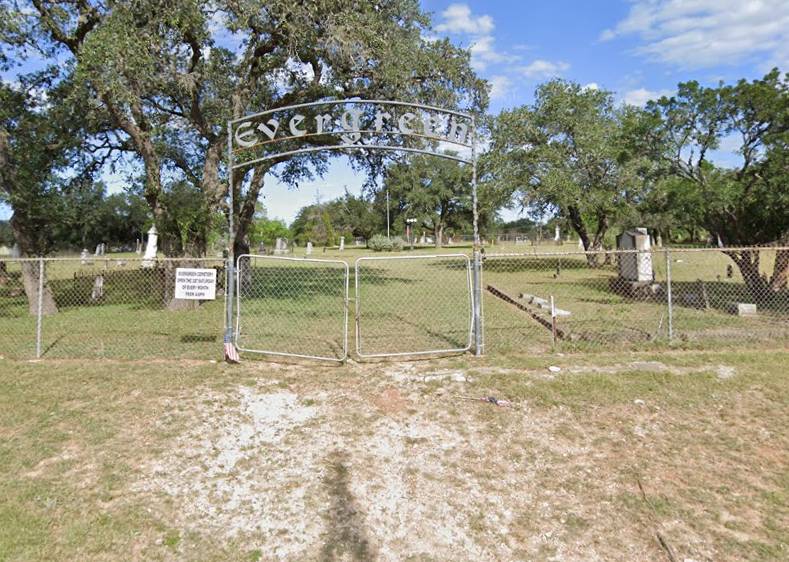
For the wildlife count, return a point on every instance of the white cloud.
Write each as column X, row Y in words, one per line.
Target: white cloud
column 640, row 96
column 540, row 68
column 459, row 19
column 483, row 52
column 500, row 86
column 591, row 86
column 705, row 33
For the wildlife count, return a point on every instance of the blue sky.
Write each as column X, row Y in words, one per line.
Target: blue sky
column 639, row 49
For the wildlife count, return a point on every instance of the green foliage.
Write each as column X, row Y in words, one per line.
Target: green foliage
column 159, row 74
column 568, row 154
column 40, row 137
column 435, row 191
column 266, row 231
column 349, row 216
column 88, row 216
column 6, row 235
column 380, row 243
column 742, row 206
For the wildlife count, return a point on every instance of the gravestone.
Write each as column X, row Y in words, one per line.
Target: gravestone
column 97, row 253
column 557, row 235
column 635, row 266
column 83, row 256
column 149, row 259
column 742, row 309
column 138, row 248
column 309, row 248
column 342, row 243
column 580, row 244
column 98, row 288
column 659, row 241
column 280, row 246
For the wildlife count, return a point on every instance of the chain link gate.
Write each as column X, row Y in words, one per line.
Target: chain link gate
column 293, row 307
column 413, row 305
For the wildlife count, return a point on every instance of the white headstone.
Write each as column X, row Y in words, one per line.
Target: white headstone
column 15, row 252
column 309, row 248
column 659, row 241
column 138, row 249
column 557, row 234
column 149, row 259
column 83, row 256
column 280, row 246
column 97, row 253
column 580, row 244
column 342, row 243
column 98, row 288
column 635, row 266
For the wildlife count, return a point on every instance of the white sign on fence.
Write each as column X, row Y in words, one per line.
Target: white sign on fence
column 195, row 284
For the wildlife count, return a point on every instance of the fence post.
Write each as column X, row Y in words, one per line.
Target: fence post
column 40, row 306
column 229, row 296
column 477, row 273
column 668, row 296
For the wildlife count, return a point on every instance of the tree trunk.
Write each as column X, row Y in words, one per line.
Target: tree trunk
column 438, row 232
column 591, row 247
column 30, row 280
column 748, row 263
column 780, row 276
column 31, row 269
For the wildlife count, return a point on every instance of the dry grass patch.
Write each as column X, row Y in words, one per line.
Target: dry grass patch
column 598, row 461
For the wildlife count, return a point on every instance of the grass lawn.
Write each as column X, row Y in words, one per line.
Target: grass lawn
column 617, row 456
column 413, row 305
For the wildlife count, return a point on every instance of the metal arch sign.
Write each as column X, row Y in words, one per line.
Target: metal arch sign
column 350, row 124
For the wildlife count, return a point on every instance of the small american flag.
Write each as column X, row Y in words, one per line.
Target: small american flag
column 231, row 353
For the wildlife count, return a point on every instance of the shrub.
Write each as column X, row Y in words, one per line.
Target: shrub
column 379, row 243
column 397, row 244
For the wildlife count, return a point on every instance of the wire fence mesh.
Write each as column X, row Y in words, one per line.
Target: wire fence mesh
column 292, row 306
column 106, row 307
column 412, row 305
column 538, row 302
column 534, row 301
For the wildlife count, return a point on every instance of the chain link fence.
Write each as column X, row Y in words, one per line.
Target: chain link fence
column 538, row 302
column 292, row 307
column 534, row 302
column 413, row 305
column 106, row 308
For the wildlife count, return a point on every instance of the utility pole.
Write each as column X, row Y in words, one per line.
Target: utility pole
column 387, row 212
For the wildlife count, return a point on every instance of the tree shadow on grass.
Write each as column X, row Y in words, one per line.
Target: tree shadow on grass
column 538, row 264
column 346, row 535
column 141, row 289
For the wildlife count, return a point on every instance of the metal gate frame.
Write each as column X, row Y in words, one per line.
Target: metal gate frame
column 282, row 353
column 357, row 300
